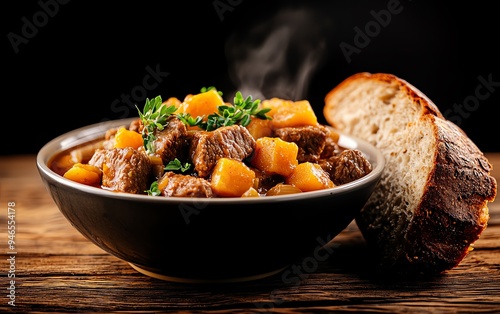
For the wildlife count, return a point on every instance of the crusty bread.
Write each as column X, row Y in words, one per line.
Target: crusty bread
column 430, row 205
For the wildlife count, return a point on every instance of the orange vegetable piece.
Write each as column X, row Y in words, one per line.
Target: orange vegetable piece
column 201, row 105
column 283, row 189
column 85, row 174
column 231, row 177
column 62, row 163
column 251, row 192
column 309, row 176
column 275, row 156
column 126, row 138
column 172, row 101
column 260, row 128
column 274, row 103
column 287, row 113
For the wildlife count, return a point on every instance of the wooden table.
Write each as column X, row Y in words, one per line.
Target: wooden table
column 58, row 270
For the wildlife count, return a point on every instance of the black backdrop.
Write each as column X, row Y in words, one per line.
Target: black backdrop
column 67, row 64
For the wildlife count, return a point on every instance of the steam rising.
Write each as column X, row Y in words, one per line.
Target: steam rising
column 276, row 58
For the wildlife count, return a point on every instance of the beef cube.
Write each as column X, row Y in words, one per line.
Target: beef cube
column 331, row 148
column 171, row 142
column 310, row 140
column 98, row 157
column 185, row 186
column 123, row 169
column 206, row 148
column 348, row 166
column 265, row 181
column 136, row 125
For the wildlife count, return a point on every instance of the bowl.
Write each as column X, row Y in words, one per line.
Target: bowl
column 199, row 240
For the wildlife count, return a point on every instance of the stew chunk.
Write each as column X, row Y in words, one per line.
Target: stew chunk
column 207, row 148
column 123, row 169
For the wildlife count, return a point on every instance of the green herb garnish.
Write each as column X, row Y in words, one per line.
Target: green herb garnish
column 153, row 190
column 175, row 165
column 189, row 120
column 154, row 116
column 240, row 113
column 206, row 89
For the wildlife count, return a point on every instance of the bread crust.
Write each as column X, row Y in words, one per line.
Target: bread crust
column 452, row 211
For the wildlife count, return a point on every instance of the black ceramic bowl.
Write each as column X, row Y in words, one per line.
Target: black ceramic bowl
column 206, row 240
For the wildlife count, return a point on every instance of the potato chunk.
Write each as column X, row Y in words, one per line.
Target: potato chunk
column 275, row 156
column 309, row 176
column 126, row 138
column 287, row 113
column 201, row 105
column 260, row 128
column 85, row 174
column 251, row 192
column 231, row 177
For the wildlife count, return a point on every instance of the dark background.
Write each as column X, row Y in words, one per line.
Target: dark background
column 85, row 57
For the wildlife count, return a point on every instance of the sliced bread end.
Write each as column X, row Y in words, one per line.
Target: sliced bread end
column 430, row 205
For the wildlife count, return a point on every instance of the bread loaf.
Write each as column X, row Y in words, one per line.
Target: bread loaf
column 431, row 203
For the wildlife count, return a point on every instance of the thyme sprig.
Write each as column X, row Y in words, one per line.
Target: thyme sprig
column 240, row 113
column 206, row 89
column 154, row 116
column 176, row 165
column 153, row 189
column 189, row 120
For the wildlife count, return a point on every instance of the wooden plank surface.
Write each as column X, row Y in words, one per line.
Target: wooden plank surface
column 58, row 270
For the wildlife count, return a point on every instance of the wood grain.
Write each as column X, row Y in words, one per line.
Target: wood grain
column 58, row 270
